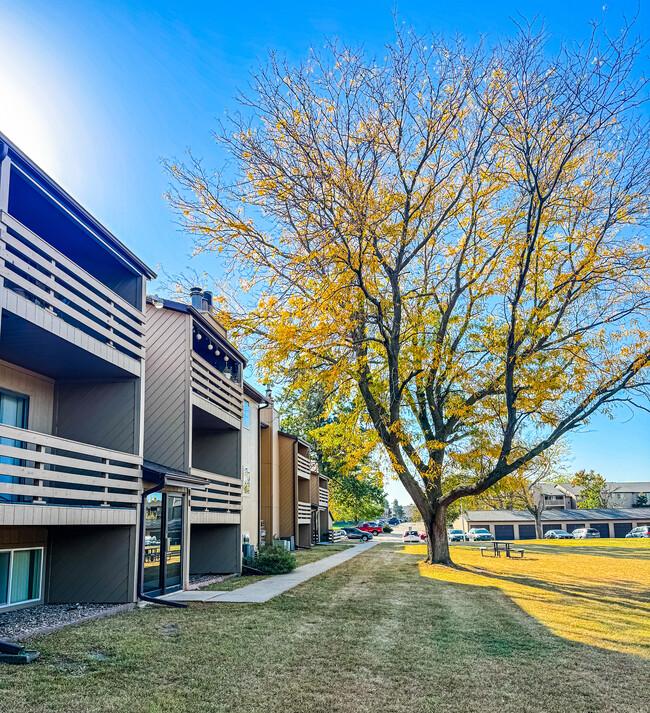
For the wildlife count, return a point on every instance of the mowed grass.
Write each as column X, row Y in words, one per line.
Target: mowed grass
column 372, row 633
column 593, row 591
column 302, row 557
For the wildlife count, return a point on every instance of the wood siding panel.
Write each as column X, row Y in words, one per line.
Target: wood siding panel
column 40, row 390
column 104, row 414
column 90, row 564
column 287, row 494
column 167, row 405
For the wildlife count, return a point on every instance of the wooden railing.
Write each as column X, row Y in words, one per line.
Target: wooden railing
column 35, row 270
column 304, row 513
column 223, row 494
column 323, row 497
column 48, row 470
column 304, row 466
column 214, row 387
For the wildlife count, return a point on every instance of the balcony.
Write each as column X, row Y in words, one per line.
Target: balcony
column 304, row 466
column 45, row 470
column 49, row 290
column 323, row 497
column 304, row 513
column 216, row 393
column 221, row 501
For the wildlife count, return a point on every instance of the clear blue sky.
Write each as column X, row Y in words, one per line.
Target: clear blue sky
column 98, row 92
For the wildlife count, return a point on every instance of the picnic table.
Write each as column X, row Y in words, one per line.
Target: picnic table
column 499, row 547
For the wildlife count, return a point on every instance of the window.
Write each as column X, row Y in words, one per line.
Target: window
column 20, row 576
column 13, row 412
column 247, row 414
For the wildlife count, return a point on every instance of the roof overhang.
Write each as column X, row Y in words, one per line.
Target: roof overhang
column 165, row 477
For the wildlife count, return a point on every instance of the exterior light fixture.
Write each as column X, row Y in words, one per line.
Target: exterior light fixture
column 199, row 335
column 210, row 346
column 157, row 302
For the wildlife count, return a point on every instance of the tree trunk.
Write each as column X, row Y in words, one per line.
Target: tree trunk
column 437, row 542
column 538, row 526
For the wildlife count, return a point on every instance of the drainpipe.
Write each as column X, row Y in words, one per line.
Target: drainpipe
column 141, row 595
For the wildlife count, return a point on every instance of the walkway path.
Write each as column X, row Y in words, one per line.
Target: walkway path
column 266, row 589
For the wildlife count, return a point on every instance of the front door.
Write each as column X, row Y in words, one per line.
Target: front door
column 163, row 543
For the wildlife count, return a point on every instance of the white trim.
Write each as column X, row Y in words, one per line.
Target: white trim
column 11, row 569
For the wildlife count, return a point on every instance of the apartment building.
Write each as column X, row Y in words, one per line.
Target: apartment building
column 251, row 523
column 72, row 335
column 195, row 419
column 294, row 495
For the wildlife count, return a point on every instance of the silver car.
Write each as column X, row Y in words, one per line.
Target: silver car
column 585, row 533
column 558, row 535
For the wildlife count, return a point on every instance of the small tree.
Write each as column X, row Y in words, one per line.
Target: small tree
column 641, row 501
column 595, row 493
column 398, row 510
column 450, row 235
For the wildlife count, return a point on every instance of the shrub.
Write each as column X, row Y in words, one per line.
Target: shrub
column 387, row 528
column 273, row 560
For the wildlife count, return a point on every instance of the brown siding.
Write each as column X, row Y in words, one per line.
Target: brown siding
column 287, row 495
column 90, row 564
column 102, row 414
column 11, row 537
column 167, row 405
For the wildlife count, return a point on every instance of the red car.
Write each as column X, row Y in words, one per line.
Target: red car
column 373, row 527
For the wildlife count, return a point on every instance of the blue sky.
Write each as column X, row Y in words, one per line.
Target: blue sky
column 98, row 92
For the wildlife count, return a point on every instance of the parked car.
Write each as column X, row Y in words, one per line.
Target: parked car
column 456, row 536
column 354, row 533
column 394, row 521
column 480, row 534
column 558, row 535
column 642, row 531
column 413, row 536
column 585, row 533
column 373, row 527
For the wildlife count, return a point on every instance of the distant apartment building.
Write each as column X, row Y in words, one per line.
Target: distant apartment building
column 554, row 497
column 72, row 336
column 626, row 495
column 294, row 494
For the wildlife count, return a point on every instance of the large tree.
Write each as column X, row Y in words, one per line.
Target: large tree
column 452, row 234
column 344, row 452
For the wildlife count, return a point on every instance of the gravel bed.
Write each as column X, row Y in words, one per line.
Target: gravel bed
column 21, row 623
column 202, row 580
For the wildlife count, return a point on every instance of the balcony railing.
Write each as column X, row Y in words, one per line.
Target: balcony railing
column 304, row 513
column 37, row 272
column 48, row 470
column 223, row 494
column 323, row 497
column 215, row 388
column 304, row 466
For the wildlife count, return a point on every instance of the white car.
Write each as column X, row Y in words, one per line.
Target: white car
column 412, row 536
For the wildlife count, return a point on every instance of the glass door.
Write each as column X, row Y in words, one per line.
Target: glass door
column 163, row 543
column 153, row 524
column 174, row 543
column 13, row 412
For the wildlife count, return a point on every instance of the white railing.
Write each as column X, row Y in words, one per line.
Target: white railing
column 304, row 466
column 33, row 269
column 323, row 497
column 48, row 470
column 304, row 513
column 223, row 494
column 214, row 387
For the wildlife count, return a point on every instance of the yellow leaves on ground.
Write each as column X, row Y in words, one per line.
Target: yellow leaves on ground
column 597, row 593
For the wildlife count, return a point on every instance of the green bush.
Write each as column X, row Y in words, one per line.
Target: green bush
column 272, row 560
column 387, row 528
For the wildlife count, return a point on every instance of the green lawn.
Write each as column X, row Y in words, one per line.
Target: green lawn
column 302, row 557
column 374, row 633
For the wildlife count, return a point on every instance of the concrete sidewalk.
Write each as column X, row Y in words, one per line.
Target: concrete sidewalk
column 266, row 589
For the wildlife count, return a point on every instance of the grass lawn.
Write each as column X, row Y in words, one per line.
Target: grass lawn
column 379, row 632
column 302, row 557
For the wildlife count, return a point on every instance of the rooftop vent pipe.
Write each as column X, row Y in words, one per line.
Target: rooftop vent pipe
column 197, row 298
column 207, row 301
